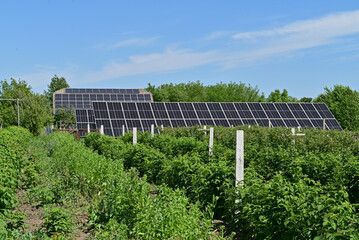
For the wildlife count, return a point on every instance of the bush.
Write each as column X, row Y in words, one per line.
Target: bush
column 319, row 168
column 146, row 160
column 123, row 203
column 128, row 204
column 57, row 222
column 279, row 209
column 13, row 145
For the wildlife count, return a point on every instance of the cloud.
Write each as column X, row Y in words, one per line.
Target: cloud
column 169, row 60
column 284, row 41
column 217, row 34
column 132, row 42
column 295, row 36
column 321, row 29
column 39, row 79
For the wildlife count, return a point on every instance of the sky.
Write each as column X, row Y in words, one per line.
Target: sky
column 302, row 46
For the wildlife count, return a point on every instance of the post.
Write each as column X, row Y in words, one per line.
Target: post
column 18, row 108
column 101, row 130
column 205, row 127
column 211, row 135
column 323, row 123
column 293, row 134
column 78, row 136
column 152, row 130
column 134, row 136
column 239, row 157
column 88, row 128
column 18, row 113
column 162, row 126
column 123, row 130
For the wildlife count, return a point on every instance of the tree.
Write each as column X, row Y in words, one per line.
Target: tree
column 11, row 90
column 306, row 99
column 182, row 92
column 65, row 116
column 277, row 96
column 56, row 84
column 196, row 92
column 14, row 89
column 35, row 113
column 343, row 102
column 233, row 92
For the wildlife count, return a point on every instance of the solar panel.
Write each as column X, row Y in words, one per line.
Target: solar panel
column 83, row 100
column 83, row 118
column 101, row 90
column 114, row 115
